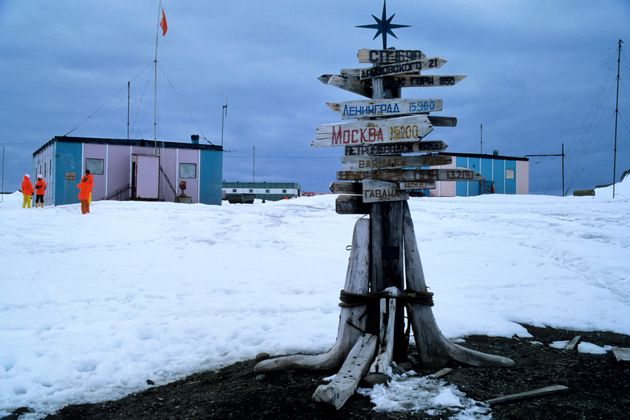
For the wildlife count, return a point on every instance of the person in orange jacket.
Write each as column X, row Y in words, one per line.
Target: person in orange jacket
column 40, row 188
column 27, row 191
column 85, row 190
column 90, row 180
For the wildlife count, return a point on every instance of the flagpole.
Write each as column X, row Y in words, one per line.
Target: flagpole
column 157, row 31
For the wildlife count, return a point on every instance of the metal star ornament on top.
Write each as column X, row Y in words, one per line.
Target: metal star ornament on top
column 384, row 25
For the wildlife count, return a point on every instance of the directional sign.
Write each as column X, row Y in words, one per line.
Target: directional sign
column 417, row 185
column 396, row 148
column 402, row 68
column 369, row 163
column 391, row 130
column 353, row 188
column 378, row 191
column 385, row 107
column 349, row 83
column 351, row 204
column 443, row 121
column 414, row 80
column 388, row 56
column 402, row 175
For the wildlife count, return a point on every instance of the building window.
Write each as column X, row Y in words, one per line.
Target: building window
column 509, row 174
column 188, row 170
column 284, row 191
column 233, row 189
column 251, row 191
column 267, row 191
column 95, row 166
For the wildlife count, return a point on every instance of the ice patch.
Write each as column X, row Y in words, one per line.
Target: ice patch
column 559, row 344
column 424, row 394
column 590, row 348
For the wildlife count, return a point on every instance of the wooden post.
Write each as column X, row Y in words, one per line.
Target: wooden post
column 380, row 370
column 346, row 381
column 386, row 255
column 386, row 263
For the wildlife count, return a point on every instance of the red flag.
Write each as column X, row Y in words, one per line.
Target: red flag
column 163, row 23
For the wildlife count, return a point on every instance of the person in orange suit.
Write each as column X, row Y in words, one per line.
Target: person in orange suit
column 40, row 188
column 90, row 180
column 27, row 191
column 85, row 190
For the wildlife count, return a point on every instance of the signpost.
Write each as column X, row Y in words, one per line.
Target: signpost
column 401, row 68
column 368, row 163
column 388, row 56
column 378, row 191
column 396, row 148
column 401, row 129
column 417, row 185
column 349, row 83
column 385, row 108
column 352, row 188
column 411, row 175
column 414, row 80
column 384, row 264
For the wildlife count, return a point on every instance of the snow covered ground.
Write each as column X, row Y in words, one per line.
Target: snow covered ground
column 93, row 306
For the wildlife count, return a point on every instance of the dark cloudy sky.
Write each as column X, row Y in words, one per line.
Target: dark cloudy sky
column 540, row 73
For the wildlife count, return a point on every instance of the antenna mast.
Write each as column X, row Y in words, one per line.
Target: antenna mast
column 223, row 115
column 616, row 117
column 157, row 30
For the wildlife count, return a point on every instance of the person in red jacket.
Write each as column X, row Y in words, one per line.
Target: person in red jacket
column 85, row 190
column 40, row 188
column 27, row 191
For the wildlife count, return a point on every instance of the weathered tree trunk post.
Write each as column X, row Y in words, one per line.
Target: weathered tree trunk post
column 386, row 255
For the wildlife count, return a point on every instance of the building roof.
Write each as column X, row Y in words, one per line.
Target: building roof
column 130, row 142
column 484, row 156
column 238, row 184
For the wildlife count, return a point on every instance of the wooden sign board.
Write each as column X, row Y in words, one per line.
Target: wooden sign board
column 417, row 185
column 366, row 55
column 396, row 148
column 385, row 108
column 443, row 121
column 349, row 83
column 369, row 163
column 401, row 68
column 379, row 191
column 392, row 130
column 415, row 80
column 351, row 204
column 402, row 175
column 352, row 188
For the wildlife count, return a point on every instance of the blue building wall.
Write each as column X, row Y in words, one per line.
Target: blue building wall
column 510, row 184
column 67, row 158
column 211, row 173
column 494, row 172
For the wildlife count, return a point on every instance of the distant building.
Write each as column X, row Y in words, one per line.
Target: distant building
column 248, row 191
column 130, row 169
column 502, row 175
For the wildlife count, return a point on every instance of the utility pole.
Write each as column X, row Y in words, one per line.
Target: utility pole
column 2, row 186
column 554, row 155
column 481, row 139
column 614, row 180
column 223, row 115
column 128, row 105
column 253, row 163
